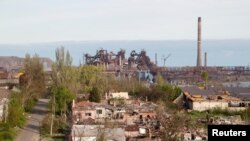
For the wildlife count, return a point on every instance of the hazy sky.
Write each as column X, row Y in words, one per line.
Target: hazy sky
column 25, row 21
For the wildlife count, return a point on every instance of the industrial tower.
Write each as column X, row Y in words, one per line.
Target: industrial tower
column 199, row 44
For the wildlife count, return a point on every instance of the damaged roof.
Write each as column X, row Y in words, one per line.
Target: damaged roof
column 239, row 92
column 198, row 91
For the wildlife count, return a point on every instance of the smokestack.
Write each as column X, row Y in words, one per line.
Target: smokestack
column 199, row 44
column 205, row 60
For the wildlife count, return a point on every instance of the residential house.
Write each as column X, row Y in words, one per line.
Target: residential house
column 144, row 112
column 118, row 112
column 84, row 110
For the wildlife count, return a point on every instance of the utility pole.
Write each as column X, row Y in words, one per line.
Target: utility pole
column 5, row 111
column 52, row 115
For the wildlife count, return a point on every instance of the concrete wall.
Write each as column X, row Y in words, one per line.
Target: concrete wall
column 90, row 133
column 83, row 138
column 208, row 104
column 119, row 95
column 3, row 108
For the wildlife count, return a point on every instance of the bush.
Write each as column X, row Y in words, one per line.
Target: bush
column 60, row 126
column 6, row 132
column 45, row 127
column 245, row 115
column 95, row 95
column 163, row 92
column 29, row 104
column 16, row 112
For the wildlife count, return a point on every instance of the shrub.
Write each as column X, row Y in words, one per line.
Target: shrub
column 16, row 112
column 6, row 132
column 95, row 95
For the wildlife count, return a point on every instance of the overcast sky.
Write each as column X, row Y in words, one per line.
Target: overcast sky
column 27, row 21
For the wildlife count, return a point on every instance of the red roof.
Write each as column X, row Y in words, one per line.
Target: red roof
column 84, row 104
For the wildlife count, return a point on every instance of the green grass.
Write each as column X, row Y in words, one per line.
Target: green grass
column 245, row 115
column 6, row 132
column 58, row 138
column 196, row 114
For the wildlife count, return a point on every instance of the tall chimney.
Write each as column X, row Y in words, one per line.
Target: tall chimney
column 205, row 60
column 199, row 44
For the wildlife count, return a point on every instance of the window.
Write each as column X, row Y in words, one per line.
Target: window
column 87, row 114
column 99, row 111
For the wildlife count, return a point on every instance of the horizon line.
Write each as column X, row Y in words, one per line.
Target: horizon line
column 133, row 40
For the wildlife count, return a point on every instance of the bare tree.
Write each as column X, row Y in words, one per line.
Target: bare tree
column 171, row 124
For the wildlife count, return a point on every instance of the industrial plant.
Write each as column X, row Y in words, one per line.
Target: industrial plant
column 128, row 97
column 140, row 62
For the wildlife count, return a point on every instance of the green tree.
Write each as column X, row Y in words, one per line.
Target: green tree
column 65, row 85
column 63, row 73
column 94, row 95
column 90, row 76
column 63, row 98
column 204, row 76
column 33, row 81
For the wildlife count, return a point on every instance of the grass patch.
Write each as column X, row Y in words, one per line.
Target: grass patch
column 245, row 115
column 58, row 138
column 6, row 132
column 224, row 112
column 196, row 114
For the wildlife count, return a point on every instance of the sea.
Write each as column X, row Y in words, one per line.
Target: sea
column 234, row 52
column 237, row 84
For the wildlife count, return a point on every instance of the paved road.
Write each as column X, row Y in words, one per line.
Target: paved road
column 31, row 131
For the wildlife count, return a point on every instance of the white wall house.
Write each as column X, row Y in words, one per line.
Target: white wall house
column 123, row 95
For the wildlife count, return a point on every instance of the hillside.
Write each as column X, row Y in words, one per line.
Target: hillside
column 13, row 62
